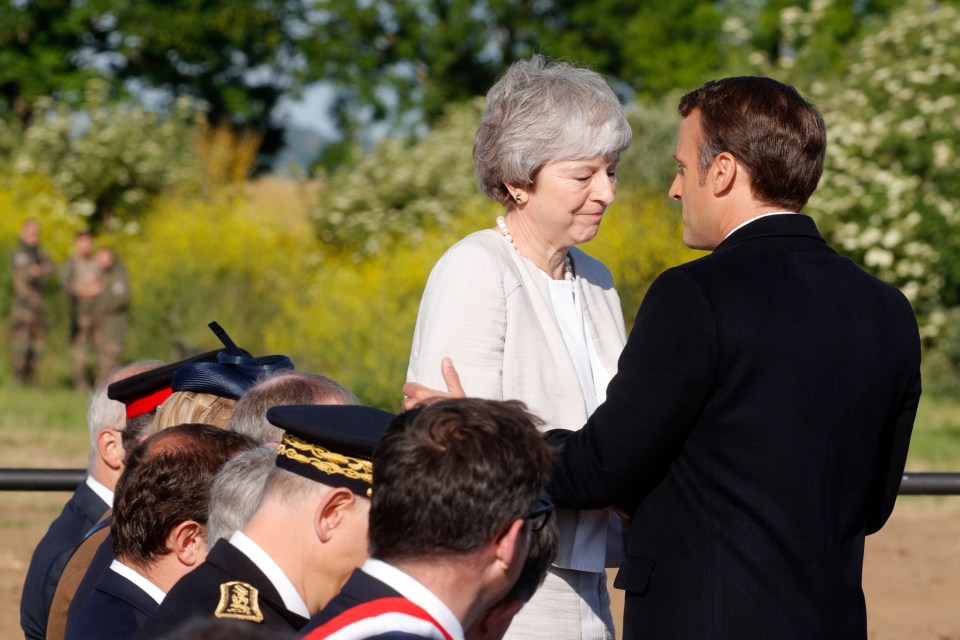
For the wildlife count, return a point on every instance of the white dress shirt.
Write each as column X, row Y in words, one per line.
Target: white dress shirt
column 134, row 576
column 292, row 599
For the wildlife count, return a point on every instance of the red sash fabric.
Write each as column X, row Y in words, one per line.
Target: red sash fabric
column 362, row 615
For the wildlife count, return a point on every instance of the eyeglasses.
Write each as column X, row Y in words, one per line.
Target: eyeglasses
column 539, row 516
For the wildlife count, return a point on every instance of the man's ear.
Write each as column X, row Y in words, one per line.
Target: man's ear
column 723, row 173
column 188, row 541
column 331, row 510
column 510, row 549
column 110, row 448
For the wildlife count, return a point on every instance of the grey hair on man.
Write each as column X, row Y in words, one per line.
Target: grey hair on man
column 104, row 413
column 543, row 111
column 283, row 389
column 237, row 490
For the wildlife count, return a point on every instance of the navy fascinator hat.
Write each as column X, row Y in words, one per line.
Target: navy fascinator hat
column 234, row 372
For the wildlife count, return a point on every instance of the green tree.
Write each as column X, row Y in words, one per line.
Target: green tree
column 238, row 58
column 38, row 43
column 109, row 160
column 403, row 61
column 890, row 194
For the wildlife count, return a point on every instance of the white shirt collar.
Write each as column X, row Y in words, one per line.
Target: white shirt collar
column 98, row 488
column 138, row 579
column 292, row 599
column 416, row 593
column 746, row 222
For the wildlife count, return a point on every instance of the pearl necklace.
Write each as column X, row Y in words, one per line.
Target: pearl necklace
column 567, row 264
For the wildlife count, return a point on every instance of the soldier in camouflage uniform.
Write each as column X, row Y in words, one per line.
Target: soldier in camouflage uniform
column 110, row 313
column 31, row 267
column 83, row 281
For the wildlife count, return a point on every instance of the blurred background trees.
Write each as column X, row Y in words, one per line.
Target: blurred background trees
column 144, row 120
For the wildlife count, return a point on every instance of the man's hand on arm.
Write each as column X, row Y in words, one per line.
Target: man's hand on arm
column 416, row 394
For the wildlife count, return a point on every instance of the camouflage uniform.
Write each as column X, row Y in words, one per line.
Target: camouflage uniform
column 83, row 280
column 110, row 318
column 31, row 266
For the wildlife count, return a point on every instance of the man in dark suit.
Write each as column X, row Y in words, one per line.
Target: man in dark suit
column 758, row 425
column 455, row 503
column 159, row 527
column 306, row 537
column 105, row 420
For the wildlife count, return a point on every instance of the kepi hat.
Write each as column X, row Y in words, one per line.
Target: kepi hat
column 331, row 444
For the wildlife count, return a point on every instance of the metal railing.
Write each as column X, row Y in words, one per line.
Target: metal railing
column 913, row 484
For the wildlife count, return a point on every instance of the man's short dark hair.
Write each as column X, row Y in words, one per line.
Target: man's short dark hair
column 283, row 389
column 769, row 128
column 166, row 481
column 450, row 477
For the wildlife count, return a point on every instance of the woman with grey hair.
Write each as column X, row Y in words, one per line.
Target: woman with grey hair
column 526, row 315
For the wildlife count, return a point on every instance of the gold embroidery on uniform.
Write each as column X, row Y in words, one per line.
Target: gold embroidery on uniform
column 325, row 460
column 239, row 601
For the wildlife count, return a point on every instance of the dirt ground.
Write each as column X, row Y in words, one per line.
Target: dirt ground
column 911, row 570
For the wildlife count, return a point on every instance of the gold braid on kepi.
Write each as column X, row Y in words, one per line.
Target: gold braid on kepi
column 331, row 444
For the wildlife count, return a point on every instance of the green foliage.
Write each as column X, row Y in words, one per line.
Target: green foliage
column 202, row 260
column 890, row 196
column 399, row 190
column 404, row 61
column 238, row 58
column 111, row 158
column 37, row 41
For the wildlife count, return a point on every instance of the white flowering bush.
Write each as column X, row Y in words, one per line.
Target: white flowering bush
column 400, row 189
column 109, row 159
column 890, row 194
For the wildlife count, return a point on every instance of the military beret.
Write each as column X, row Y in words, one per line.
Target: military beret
column 144, row 392
column 331, row 444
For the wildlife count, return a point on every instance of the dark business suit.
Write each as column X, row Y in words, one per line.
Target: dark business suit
column 114, row 610
column 360, row 588
column 756, row 430
column 198, row 595
column 81, row 512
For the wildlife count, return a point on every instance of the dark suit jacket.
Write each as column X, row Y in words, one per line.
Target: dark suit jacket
column 81, row 512
column 756, row 430
column 197, row 595
column 114, row 610
column 360, row 588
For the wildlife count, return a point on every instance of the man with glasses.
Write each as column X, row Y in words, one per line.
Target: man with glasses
column 456, row 499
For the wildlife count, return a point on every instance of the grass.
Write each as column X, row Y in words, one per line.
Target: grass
column 43, row 427
column 47, row 428
column 935, row 445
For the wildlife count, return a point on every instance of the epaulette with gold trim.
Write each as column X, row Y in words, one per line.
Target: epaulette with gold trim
column 239, row 601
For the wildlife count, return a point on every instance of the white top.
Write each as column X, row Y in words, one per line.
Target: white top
column 292, row 599
column 746, row 222
column 131, row 574
column 412, row 590
column 491, row 311
column 98, row 488
column 568, row 306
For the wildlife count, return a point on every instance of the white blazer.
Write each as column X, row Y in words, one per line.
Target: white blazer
column 490, row 310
